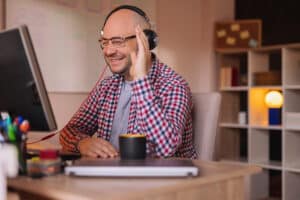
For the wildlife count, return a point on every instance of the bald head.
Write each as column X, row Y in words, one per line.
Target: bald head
column 124, row 21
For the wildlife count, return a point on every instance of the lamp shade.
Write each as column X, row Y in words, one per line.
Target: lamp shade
column 274, row 99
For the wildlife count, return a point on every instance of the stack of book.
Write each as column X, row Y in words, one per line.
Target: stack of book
column 229, row 76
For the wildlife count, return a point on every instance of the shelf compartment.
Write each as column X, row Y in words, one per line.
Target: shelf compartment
column 234, row 145
column 291, row 185
column 292, row 149
column 291, row 61
column 259, row 112
column 292, row 99
column 265, row 148
column 266, row 61
column 233, row 70
column 292, row 120
column 232, row 103
column 266, row 185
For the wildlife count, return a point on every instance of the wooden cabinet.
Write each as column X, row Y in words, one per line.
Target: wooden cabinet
column 275, row 148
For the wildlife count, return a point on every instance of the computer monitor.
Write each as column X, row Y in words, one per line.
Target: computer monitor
column 22, row 89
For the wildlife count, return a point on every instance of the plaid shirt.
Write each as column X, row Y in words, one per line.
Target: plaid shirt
column 160, row 107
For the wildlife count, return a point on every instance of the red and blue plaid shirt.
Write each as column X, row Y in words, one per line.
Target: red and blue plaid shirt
column 160, row 107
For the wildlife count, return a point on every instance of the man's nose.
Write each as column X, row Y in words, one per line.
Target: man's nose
column 110, row 49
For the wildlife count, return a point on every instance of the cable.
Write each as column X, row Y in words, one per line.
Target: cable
column 43, row 138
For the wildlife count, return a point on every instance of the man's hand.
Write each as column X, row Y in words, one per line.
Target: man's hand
column 141, row 60
column 96, row 147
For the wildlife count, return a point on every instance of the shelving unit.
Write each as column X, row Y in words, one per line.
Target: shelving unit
column 275, row 148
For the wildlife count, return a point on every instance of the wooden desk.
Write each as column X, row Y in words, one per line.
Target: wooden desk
column 217, row 181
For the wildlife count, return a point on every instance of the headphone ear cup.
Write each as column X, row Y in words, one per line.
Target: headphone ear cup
column 152, row 38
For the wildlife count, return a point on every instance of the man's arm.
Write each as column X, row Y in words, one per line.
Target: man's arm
column 76, row 135
column 163, row 118
column 82, row 125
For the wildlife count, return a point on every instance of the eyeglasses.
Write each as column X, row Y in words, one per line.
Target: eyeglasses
column 116, row 42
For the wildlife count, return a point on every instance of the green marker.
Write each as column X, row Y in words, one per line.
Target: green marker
column 11, row 133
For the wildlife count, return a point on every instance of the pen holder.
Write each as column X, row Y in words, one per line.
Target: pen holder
column 20, row 145
column 15, row 133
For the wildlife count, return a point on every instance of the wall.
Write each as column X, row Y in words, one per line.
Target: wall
column 65, row 35
column 2, row 18
column 185, row 29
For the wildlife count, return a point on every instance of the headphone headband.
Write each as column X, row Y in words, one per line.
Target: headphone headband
column 128, row 7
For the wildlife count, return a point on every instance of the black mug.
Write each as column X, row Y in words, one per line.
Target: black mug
column 132, row 146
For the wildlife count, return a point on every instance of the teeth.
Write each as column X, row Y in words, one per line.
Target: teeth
column 115, row 59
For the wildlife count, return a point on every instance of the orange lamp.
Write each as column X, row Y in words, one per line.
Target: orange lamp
column 274, row 101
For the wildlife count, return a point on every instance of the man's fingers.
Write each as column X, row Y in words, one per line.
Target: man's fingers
column 133, row 57
column 143, row 38
column 100, row 153
column 96, row 147
column 109, row 149
column 138, row 38
column 106, row 149
column 91, row 154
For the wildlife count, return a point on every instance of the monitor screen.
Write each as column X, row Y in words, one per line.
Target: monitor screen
column 22, row 89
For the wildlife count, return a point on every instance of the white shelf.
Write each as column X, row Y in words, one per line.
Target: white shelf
column 233, row 125
column 292, row 87
column 261, row 138
column 266, row 127
column 292, row 129
column 271, row 87
column 293, row 168
column 275, row 165
column 234, row 89
column 269, row 198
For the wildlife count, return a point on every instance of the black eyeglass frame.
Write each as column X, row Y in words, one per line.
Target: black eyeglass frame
column 123, row 39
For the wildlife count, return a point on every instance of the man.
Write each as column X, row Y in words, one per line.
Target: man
column 142, row 96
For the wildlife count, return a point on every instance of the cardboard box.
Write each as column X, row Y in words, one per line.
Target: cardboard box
column 267, row 78
column 238, row 34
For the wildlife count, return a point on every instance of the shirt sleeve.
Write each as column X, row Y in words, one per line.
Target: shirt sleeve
column 162, row 117
column 83, row 124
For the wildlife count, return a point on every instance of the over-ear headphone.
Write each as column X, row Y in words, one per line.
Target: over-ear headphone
column 151, row 35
